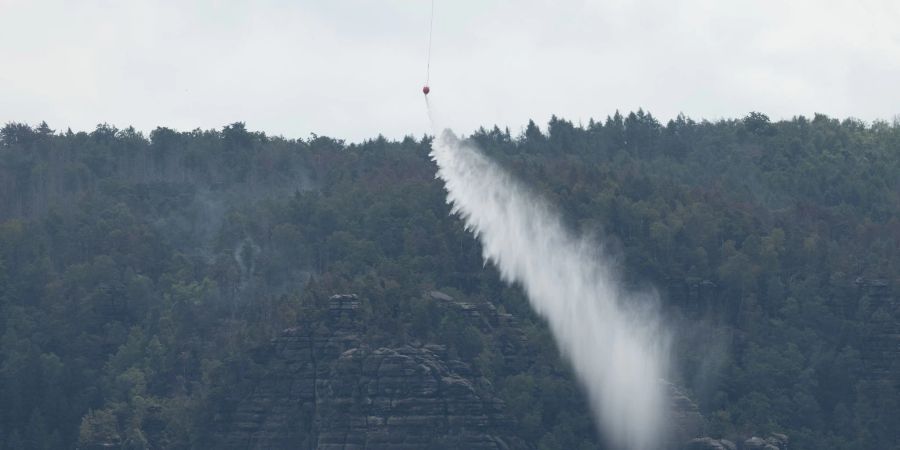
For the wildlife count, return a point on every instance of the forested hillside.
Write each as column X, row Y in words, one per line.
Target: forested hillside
column 141, row 275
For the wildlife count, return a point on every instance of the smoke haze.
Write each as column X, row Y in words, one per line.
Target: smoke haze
column 613, row 338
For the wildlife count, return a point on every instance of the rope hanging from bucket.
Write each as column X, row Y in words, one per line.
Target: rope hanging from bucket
column 426, row 89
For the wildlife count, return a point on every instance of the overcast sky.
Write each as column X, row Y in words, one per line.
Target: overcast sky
column 353, row 68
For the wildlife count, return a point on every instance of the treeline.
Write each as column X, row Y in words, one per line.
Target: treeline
column 137, row 272
column 782, row 236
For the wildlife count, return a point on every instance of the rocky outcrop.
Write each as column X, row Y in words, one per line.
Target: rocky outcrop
column 483, row 315
column 504, row 327
column 321, row 386
column 684, row 418
column 343, row 308
column 325, row 389
column 708, row 443
column 775, row 441
column 408, row 398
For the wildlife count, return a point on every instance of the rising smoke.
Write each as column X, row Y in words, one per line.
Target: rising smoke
column 612, row 337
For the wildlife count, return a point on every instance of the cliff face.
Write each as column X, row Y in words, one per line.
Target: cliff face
column 775, row 441
column 322, row 387
column 325, row 389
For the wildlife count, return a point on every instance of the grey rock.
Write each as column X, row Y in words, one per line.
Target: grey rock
column 708, row 443
column 320, row 386
column 775, row 441
column 779, row 440
column 327, row 390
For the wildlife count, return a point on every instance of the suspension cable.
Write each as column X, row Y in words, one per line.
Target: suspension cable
column 430, row 34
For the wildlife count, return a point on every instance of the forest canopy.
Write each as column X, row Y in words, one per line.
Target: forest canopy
column 138, row 273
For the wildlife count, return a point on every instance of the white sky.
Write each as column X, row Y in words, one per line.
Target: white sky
column 354, row 68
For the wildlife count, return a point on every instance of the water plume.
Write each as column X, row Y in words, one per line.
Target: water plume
column 612, row 337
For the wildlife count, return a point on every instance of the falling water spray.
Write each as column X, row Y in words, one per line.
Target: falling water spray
column 613, row 338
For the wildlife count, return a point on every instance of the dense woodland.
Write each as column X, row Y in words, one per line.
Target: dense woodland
column 138, row 273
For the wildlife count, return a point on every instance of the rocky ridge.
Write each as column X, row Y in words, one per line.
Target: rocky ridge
column 325, row 389
column 775, row 441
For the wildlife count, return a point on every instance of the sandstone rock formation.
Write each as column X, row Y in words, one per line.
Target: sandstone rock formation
column 325, row 389
column 775, row 441
column 321, row 386
column 708, row 443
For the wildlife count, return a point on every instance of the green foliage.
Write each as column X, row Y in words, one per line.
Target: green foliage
column 137, row 275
